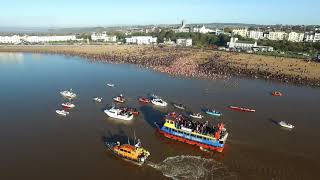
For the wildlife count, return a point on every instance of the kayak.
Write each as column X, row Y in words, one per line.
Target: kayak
column 242, row 109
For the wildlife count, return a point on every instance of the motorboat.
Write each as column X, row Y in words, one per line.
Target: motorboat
column 159, row 102
column 68, row 94
column 276, row 93
column 119, row 114
column 133, row 153
column 97, row 99
column 119, row 99
column 196, row 115
column 179, row 106
column 214, row 113
column 242, row 109
column 286, row 125
column 110, row 85
column 134, row 111
column 62, row 112
column 68, row 105
column 144, row 100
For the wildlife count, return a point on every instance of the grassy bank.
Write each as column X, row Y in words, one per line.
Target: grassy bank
column 192, row 62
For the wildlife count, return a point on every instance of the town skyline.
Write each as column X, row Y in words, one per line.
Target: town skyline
column 95, row 13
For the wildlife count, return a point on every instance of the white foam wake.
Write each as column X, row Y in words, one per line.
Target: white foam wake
column 192, row 167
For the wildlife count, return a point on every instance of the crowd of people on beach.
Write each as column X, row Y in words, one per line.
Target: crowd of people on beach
column 180, row 62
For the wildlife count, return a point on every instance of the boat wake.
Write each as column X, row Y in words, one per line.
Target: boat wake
column 192, row 167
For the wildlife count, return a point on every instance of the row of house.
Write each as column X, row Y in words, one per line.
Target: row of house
column 16, row 39
column 278, row 35
column 148, row 40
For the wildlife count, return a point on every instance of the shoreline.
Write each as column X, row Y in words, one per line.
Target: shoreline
column 189, row 62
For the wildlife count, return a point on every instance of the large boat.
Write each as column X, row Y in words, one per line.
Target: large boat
column 179, row 127
column 242, row 109
column 134, row 111
column 159, row 102
column 68, row 94
column 119, row 114
column 135, row 154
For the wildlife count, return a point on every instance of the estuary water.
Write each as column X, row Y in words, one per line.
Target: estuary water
column 36, row 143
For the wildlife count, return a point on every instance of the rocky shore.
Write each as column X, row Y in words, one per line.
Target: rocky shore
column 195, row 63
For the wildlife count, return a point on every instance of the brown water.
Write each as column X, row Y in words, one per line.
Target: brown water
column 38, row 144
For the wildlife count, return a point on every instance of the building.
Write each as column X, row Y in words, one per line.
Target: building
column 247, row 46
column 241, row 32
column 255, row 34
column 235, row 43
column 202, row 30
column 168, row 42
column 15, row 39
column 276, row 35
column 10, row 39
column 182, row 28
column 295, row 37
column 312, row 37
column 41, row 39
column 140, row 40
column 103, row 37
column 184, row 42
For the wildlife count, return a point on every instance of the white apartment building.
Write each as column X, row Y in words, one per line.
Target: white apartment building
column 295, row 37
column 10, row 39
column 234, row 43
column 255, row 34
column 141, row 40
column 184, row 42
column 103, row 36
column 38, row 39
column 276, row 35
column 202, row 30
column 15, row 39
column 312, row 37
column 241, row 32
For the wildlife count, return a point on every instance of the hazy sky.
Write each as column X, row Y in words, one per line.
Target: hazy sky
column 54, row 13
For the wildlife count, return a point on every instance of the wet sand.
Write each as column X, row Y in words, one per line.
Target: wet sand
column 192, row 62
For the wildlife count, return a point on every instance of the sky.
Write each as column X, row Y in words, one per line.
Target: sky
column 79, row 13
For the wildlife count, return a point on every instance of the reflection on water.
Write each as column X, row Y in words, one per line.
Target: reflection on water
column 6, row 57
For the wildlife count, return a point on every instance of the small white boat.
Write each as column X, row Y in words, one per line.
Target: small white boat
column 62, row 112
column 68, row 105
column 110, row 85
column 119, row 114
column 97, row 99
column 159, row 102
column 119, row 99
column 179, row 106
column 286, row 125
column 197, row 116
column 68, row 94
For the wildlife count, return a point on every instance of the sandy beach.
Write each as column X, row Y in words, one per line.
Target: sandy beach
column 191, row 62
